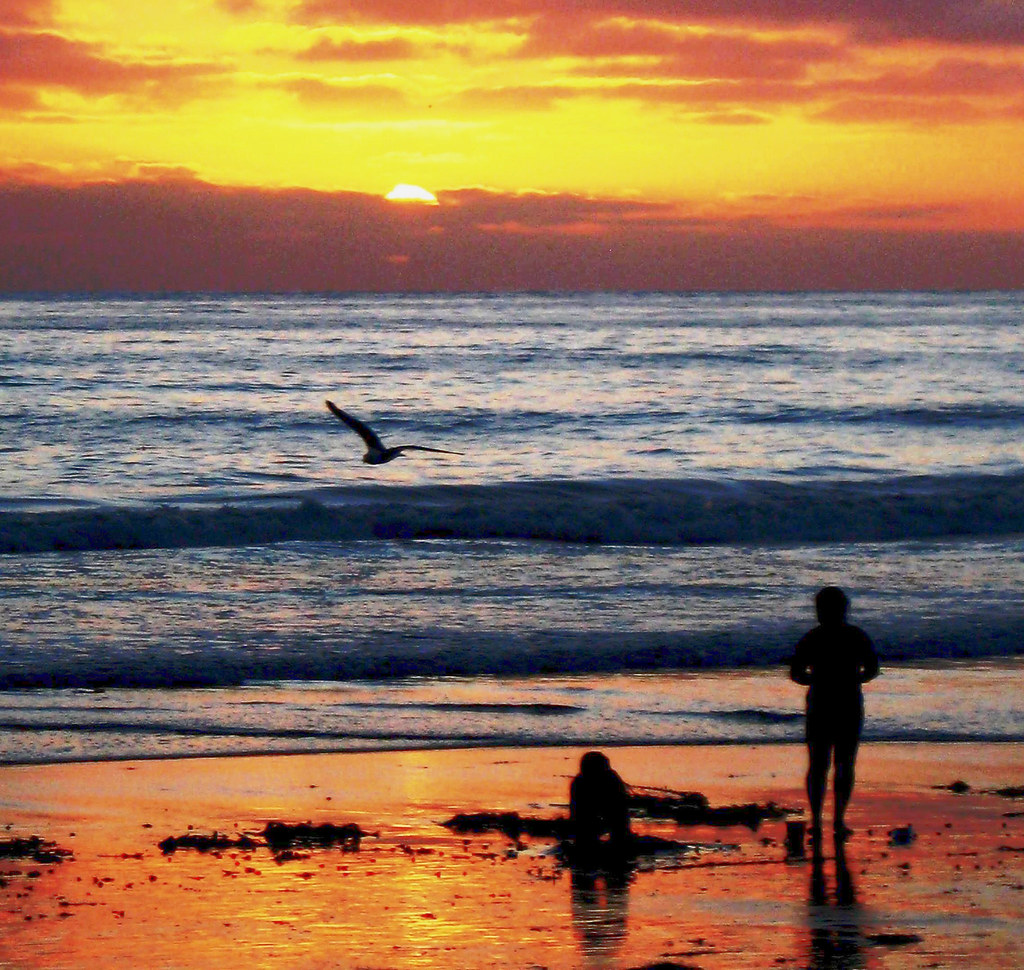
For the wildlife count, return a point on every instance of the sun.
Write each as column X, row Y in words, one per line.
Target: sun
column 404, row 192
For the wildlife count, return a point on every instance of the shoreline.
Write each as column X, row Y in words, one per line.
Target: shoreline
column 959, row 702
column 419, row 895
column 517, row 745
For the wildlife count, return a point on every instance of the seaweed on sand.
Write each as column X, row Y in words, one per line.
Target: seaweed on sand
column 693, row 808
column 35, row 848
column 511, row 824
column 278, row 837
column 216, row 842
column 515, row 826
column 683, row 808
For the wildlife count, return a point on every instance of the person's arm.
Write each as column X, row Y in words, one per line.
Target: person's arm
column 869, row 660
column 800, row 664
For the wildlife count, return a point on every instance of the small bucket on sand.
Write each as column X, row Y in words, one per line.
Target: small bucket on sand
column 795, row 832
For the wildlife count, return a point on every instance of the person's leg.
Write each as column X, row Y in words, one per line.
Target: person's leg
column 844, row 778
column 846, row 757
column 819, row 756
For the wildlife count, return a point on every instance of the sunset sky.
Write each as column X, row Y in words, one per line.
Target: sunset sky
column 669, row 144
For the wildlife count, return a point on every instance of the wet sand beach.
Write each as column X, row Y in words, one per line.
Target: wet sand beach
column 948, row 891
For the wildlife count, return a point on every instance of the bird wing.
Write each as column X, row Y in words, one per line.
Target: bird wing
column 367, row 434
column 438, row 451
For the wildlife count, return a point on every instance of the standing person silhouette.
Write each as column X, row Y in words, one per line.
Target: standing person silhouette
column 833, row 660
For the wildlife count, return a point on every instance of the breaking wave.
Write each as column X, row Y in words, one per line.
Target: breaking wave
column 633, row 511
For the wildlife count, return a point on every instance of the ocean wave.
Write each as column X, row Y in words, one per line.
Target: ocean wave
column 752, row 715
column 473, row 654
column 631, row 512
column 176, row 728
column 964, row 414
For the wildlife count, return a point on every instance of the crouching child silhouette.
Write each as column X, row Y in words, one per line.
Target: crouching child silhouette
column 599, row 814
column 833, row 660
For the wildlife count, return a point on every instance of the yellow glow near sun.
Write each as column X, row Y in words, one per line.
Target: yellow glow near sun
column 403, row 192
column 241, row 93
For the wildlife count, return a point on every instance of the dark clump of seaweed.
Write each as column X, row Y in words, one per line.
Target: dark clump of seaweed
column 516, row 826
column 512, row 824
column 962, row 788
column 693, row 808
column 35, row 848
column 656, row 804
column 216, row 842
column 279, row 837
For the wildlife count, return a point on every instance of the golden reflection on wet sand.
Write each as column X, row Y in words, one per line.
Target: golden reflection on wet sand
column 419, row 896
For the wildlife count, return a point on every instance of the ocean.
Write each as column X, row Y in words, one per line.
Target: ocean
column 649, row 489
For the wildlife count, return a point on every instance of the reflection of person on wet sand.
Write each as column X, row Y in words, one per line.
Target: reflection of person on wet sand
column 599, row 914
column 846, row 895
column 833, row 660
column 598, row 808
column 600, row 850
column 836, row 935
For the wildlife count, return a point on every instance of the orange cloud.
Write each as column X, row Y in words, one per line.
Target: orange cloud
column 732, row 118
column 373, row 49
column 957, row 76
column 951, row 91
column 646, row 51
column 50, row 60
column 698, row 102
column 400, row 12
column 723, row 94
column 177, row 234
column 729, row 85
column 513, row 228
column 18, row 100
column 892, row 215
column 901, row 111
column 26, row 13
column 240, row 8
column 996, row 22
column 391, row 46
column 541, row 210
column 738, row 102
column 671, row 52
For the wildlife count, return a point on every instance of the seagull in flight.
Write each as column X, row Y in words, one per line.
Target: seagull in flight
column 376, row 453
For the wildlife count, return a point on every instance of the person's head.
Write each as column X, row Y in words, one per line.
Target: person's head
column 594, row 763
column 831, row 605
